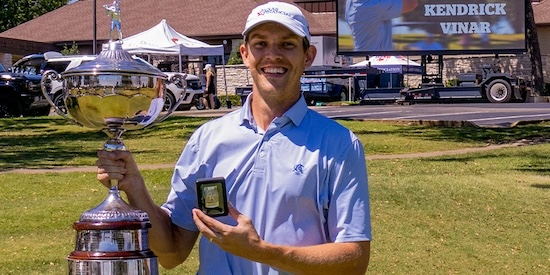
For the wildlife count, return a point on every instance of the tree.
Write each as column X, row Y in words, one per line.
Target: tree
column 72, row 50
column 15, row 12
column 235, row 57
column 533, row 49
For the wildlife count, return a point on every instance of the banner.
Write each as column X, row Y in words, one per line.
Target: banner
column 409, row 27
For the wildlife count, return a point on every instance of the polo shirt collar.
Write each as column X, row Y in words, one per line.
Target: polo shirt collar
column 296, row 113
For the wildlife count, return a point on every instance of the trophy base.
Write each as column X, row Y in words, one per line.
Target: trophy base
column 148, row 266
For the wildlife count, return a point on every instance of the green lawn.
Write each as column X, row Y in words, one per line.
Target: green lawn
column 478, row 213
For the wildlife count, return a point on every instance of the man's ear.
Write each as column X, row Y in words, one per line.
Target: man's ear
column 310, row 56
column 244, row 54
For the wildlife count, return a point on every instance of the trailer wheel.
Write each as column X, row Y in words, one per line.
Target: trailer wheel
column 344, row 94
column 499, row 91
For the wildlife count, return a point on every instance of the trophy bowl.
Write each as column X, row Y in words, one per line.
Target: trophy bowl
column 113, row 93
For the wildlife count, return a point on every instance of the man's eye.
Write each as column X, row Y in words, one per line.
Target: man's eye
column 259, row 44
column 289, row 45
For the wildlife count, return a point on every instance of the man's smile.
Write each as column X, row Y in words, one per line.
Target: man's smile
column 274, row 70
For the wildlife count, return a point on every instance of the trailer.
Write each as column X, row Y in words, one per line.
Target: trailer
column 490, row 85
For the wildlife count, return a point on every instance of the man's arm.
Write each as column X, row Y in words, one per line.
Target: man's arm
column 242, row 240
column 170, row 243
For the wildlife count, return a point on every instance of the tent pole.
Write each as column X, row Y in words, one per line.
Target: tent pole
column 179, row 56
column 227, row 101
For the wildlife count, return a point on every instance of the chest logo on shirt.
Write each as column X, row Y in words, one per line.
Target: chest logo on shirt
column 298, row 169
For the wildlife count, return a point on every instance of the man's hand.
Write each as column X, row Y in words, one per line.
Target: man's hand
column 241, row 240
column 118, row 165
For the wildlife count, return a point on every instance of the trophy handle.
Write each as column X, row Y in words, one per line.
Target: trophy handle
column 53, row 75
column 174, row 78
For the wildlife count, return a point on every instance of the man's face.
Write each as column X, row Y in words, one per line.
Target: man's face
column 276, row 59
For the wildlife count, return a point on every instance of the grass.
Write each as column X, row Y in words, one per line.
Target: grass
column 478, row 213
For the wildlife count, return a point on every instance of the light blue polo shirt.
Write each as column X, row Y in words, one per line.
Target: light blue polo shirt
column 302, row 182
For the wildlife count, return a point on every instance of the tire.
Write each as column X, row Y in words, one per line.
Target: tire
column 499, row 91
column 199, row 104
column 58, row 101
column 344, row 94
column 169, row 101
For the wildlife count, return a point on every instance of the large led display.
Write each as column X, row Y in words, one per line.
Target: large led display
column 407, row 27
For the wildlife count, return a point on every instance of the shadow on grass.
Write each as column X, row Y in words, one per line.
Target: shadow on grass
column 541, row 186
column 467, row 133
column 45, row 142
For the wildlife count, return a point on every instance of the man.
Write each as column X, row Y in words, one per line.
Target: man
column 296, row 180
column 370, row 22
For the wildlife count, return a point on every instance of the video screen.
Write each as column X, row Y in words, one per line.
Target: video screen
column 409, row 27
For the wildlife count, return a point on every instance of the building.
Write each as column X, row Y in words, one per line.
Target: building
column 213, row 22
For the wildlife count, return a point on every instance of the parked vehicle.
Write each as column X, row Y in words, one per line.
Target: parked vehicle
column 61, row 64
column 173, row 89
column 192, row 95
column 20, row 92
column 322, row 89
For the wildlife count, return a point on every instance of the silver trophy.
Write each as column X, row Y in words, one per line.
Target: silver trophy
column 113, row 93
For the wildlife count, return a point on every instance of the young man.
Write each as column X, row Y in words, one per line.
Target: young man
column 296, row 180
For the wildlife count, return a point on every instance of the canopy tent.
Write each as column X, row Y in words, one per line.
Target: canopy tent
column 164, row 40
column 391, row 64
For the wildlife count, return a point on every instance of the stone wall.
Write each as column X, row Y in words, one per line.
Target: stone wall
column 518, row 65
column 236, row 76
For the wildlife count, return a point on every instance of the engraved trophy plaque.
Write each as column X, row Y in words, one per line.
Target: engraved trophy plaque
column 113, row 93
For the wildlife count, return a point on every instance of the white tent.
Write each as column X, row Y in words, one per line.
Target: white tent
column 163, row 39
column 391, row 64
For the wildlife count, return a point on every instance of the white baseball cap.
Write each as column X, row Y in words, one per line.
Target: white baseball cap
column 207, row 66
column 283, row 13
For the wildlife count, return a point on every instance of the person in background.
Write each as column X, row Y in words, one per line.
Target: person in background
column 210, row 88
column 370, row 22
column 296, row 180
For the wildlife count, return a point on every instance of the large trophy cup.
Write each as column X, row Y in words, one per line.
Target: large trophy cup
column 112, row 93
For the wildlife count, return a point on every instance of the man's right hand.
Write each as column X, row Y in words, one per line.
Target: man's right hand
column 121, row 166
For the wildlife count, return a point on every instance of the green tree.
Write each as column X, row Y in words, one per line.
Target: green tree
column 15, row 12
column 235, row 57
column 72, row 50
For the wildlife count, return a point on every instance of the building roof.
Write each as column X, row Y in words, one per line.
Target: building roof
column 211, row 21
column 542, row 12
column 203, row 20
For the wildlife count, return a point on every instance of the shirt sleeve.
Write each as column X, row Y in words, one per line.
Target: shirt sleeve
column 182, row 197
column 348, row 216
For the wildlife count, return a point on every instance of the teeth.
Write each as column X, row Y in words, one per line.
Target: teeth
column 272, row 70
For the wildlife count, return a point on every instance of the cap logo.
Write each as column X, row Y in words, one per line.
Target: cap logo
column 273, row 10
